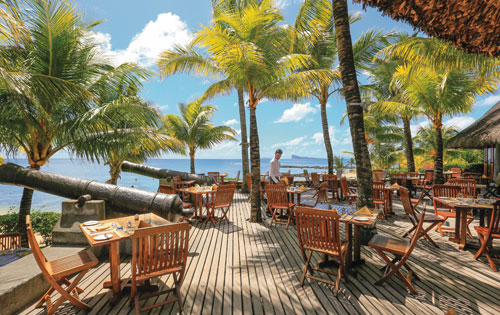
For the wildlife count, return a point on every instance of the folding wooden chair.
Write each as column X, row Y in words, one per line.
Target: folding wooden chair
column 493, row 189
column 319, row 231
column 315, row 180
column 333, row 185
column 57, row 272
column 349, row 194
column 159, row 251
column 449, row 191
column 165, row 189
column 222, row 198
column 277, row 200
column 379, row 196
column 321, row 198
column 308, row 179
column 377, row 175
column 455, row 172
column 401, row 249
column 414, row 216
column 467, row 185
column 487, row 234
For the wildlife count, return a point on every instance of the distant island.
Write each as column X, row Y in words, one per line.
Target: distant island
column 296, row 157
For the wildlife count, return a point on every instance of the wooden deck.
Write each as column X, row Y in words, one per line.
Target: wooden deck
column 245, row 267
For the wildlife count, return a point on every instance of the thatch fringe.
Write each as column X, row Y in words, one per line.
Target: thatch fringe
column 472, row 25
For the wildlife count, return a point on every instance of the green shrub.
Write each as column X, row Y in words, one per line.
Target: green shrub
column 43, row 223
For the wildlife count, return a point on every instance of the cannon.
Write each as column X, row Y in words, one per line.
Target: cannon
column 117, row 198
column 159, row 173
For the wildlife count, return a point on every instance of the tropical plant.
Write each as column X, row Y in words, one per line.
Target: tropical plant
column 52, row 80
column 194, row 129
column 438, row 93
column 252, row 49
column 353, row 99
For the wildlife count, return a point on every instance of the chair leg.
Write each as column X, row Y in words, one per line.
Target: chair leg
column 427, row 235
column 178, row 292
column 306, row 268
column 65, row 294
column 409, row 231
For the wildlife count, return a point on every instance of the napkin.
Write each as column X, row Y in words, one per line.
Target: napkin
column 363, row 211
column 302, row 187
column 214, row 187
column 395, row 185
column 99, row 228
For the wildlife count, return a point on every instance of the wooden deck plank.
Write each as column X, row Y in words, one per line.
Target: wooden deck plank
column 249, row 268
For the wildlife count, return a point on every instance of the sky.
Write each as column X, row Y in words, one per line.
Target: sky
column 137, row 31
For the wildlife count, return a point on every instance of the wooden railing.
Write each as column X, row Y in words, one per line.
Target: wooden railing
column 10, row 241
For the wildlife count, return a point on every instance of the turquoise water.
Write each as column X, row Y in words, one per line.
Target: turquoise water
column 10, row 196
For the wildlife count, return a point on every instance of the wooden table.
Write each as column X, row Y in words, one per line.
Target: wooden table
column 197, row 199
column 298, row 192
column 388, row 198
column 114, row 250
column 222, row 178
column 461, row 206
column 353, row 257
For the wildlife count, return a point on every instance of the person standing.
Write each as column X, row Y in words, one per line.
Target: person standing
column 274, row 168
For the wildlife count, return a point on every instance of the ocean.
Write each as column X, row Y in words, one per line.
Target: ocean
column 10, row 196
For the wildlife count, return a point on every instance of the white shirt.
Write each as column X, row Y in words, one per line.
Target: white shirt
column 274, row 170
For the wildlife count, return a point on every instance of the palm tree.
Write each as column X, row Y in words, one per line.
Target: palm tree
column 437, row 93
column 252, row 49
column 194, row 130
column 51, row 81
column 353, row 100
column 425, row 143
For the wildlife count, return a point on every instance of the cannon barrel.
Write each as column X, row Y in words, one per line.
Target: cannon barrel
column 118, row 198
column 156, row 172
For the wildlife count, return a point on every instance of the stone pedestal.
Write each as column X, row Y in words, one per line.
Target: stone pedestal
column 67, row 230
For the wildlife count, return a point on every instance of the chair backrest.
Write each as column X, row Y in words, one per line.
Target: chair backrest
column 276, row 195
column 237, row 176
column 10, row 241
column 322, row 193
column 158, row 249
column 429, row 176
column 404, row 195
column 450, row 191
column 40, row 258
column 214, row 175
column 344, row 186
column 378, row 191
column 176, row 179
column 494, row 227
column 224, row 196
column 455, row 172
column 166, row 189
column 331, row 180
column 318, row 229
column 467, row 185
column 315, row 178
column 308, row 179
column 377, row 175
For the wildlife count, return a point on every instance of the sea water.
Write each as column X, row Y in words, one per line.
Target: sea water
column 10, row 196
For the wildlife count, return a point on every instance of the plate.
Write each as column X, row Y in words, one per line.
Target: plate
column 90, row 223
column 103, row 237
column 361, row 219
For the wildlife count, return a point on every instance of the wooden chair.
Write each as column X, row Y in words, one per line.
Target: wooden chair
column 493, row 189
column 214, row 175
column 159, row 251
column 449, row 191
column 222, row 198
column 277, row 199
column 333, row 185
column 467, row 185
column 349, row 194
column 319, row 231
column 165, row 189
column 308, row 178
column 401, row 249
column 315, row 180
column 487, row 234
column 377, row 175
column 455, row 172
column 414, row 216
column 10, row 241
column 58, row 271
column 379, row 196
column 425, row 184
column 322, row 196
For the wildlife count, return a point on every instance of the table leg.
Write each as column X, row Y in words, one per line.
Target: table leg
column 114, row 262
column 298, row 200
column 357, row 245
column 348, row 237
column 463, row 229
column 456, row 237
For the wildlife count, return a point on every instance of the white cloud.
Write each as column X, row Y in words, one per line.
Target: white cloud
column 290, row 143
column 490, row 100
column 296, row 113
column 162, row 108
column 231, row 122
column 415, row 128
column 168, row 30
column 318, row 136
column 459, row 123
column 318, row 106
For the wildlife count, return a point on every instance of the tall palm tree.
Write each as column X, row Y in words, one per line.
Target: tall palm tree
column 194, row 129
column 253, row 51
column 437, row 93
column 51, row 81
column 353, row 100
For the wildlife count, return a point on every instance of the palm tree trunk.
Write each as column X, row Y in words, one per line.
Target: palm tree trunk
column 244, row 139
column 326, row 134
column 255, row 214
column 114, row 172
column 353, row 100
column 24, row 210
column 410, row 160
column 438, row 159
column 191, row 157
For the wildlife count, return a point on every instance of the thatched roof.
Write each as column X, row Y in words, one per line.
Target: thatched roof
column 472, row 25
column 484, row 131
